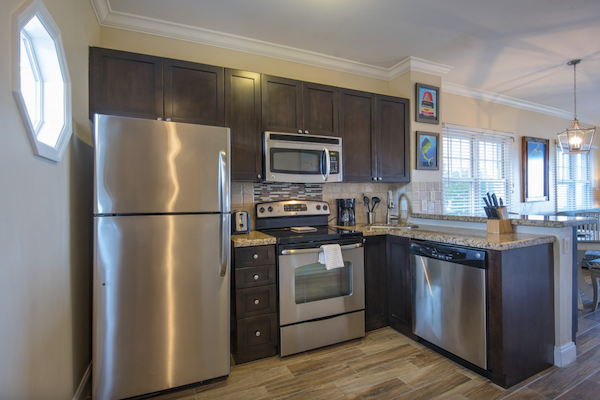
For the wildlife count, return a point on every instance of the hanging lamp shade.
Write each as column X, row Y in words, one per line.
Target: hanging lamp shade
column 577, row 138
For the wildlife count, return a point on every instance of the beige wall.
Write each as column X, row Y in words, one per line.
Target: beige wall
column 45, row 228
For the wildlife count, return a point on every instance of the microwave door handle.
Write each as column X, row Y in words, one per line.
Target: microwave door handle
column 327, row 164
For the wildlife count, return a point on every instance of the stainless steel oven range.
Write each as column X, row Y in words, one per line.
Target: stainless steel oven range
column 317, row 306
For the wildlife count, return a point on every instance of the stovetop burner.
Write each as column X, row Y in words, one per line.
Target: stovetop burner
column 278, row 217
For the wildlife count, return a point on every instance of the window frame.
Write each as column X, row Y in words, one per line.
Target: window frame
column 572, row 182
column 20, row 19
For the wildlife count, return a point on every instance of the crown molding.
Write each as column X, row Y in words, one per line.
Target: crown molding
column 510, row 101
column 420, row 65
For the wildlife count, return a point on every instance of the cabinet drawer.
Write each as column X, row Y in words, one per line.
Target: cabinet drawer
column 257, row 255
column 254, row 276
column 258, row 331
column 255, row 301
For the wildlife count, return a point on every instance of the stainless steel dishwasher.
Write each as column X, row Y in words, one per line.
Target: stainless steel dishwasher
column 449, row 299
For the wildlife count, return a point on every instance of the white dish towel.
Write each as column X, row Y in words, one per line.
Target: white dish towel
column 331, row 256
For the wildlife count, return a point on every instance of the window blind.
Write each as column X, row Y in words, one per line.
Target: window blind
column 574, row 181
column 475, row 162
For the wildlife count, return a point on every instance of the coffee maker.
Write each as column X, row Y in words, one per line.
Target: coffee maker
column 346, row 216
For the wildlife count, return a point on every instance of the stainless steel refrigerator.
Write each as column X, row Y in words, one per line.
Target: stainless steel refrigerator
column 161, row 255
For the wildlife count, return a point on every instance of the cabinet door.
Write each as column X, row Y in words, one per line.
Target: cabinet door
column 281, row 105
column 321, row 108
column 393, row 141
column 357, row 127
column 125, row 84
column 376, row 306
column 242, row 116
column 194, row 93
column 399, row 285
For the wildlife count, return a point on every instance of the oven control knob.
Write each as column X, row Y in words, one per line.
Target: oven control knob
column 257, row 333
column 262, row 209
column 256, row 277
column 325, row 208
column 270, row 209
column 256, row 301
column 318, row 206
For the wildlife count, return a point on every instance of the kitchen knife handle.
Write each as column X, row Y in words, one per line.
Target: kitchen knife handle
column 495, row 199
column 487, row 203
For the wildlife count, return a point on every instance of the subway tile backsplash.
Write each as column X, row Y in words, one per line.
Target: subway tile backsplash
column 287, row 191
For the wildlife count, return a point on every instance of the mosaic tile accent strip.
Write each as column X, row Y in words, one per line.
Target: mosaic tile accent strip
column 286, row 191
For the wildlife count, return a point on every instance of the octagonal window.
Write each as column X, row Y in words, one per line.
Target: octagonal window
column 41, row 83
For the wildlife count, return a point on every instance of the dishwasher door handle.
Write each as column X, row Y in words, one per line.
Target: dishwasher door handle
column 317, row 249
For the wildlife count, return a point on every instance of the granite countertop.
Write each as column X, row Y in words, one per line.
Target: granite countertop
column 253, row 238
column 478, row 238
column 463, row 237
column 550, row 221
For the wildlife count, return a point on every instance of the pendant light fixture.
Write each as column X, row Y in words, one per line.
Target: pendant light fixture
column 577, row 138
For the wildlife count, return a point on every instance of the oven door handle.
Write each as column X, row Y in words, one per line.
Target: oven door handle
column 291, row 252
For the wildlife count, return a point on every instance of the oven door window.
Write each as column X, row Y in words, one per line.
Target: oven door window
column 313, row 282
column 296, row 161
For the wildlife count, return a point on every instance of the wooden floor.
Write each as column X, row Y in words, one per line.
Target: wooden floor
column 387, row 365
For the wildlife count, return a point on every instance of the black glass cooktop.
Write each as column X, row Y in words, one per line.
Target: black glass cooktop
column 323, row 233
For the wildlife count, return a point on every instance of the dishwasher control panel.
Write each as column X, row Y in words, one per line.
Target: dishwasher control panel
column 439, row 251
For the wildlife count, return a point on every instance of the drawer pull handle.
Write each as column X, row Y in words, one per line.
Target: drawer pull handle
column 255, row 256
column 257, row 333
column 256, row 301
column 256, row 277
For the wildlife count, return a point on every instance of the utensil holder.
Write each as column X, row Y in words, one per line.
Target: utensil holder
column 502, row 225
column 371, row 217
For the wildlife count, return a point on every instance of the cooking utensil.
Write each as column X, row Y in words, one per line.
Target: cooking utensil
column 376, row 201
column 366, row 201
column 495, row 199
column 501, row 202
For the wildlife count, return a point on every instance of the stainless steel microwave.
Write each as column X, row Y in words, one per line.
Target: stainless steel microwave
column 290, row 157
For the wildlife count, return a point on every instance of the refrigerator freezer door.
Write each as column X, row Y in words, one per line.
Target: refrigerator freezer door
column 161, row 302
column 146, row 166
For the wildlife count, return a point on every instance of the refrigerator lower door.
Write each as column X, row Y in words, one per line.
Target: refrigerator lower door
column 161, row 302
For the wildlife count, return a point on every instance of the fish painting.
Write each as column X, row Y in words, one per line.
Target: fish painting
column 425, row 146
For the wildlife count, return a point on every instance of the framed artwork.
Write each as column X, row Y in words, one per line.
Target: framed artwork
column 427, row 104
column 428, row 150
column 535, row 181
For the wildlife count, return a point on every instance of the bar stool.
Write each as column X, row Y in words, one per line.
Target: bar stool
column 594, row 268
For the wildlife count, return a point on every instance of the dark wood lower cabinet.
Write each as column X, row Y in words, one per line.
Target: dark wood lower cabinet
column 376, row 303
column 399, row 279
column 521, row 313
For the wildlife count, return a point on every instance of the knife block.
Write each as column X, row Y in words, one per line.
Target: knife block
column 502, row 225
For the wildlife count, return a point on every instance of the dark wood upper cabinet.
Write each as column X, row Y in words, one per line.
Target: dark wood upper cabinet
column 125, row 84
column 299, row 107
column 392, row 145
column 281, row 104
column 243, row 117
column 137, row 85
column 321, row 105
column 357, row 130
column 194, row 93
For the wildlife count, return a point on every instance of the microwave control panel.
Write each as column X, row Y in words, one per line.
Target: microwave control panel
column 334, row 162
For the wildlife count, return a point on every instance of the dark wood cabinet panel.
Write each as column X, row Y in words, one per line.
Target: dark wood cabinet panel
column 357, row 127
column 243, row 117
column 399, row 285
column 254, row 256
column 256, row 301
column 125, row 84
column 254, row 276
column 321, row 109
column 281, row 104
column 194, row 93
column 376, row 306
column 521, row 313
column 257, row 338
column 392, row 145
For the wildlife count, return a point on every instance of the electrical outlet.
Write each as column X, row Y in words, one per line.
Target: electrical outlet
column 423, row 205
column 432, row 195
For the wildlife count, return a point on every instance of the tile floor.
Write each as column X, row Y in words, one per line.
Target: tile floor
column 387, row 365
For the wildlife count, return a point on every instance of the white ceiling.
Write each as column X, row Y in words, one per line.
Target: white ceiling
column 515, row 51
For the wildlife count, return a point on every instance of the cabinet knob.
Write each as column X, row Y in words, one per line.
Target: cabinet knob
column 159, row 119
column 374, row 178
column 255, row 256
column 379, row 178
column 168, row 119
column 256, row 277
column 306, row 132
column 256, row 301
column 257, row 333
column 259, row 176
column 299, row 130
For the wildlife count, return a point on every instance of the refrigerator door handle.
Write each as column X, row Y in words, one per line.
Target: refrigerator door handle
column 225, row 243
column 224, row 181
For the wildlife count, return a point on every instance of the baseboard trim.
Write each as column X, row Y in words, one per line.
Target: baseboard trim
column 565, row 354
column 85, row 386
